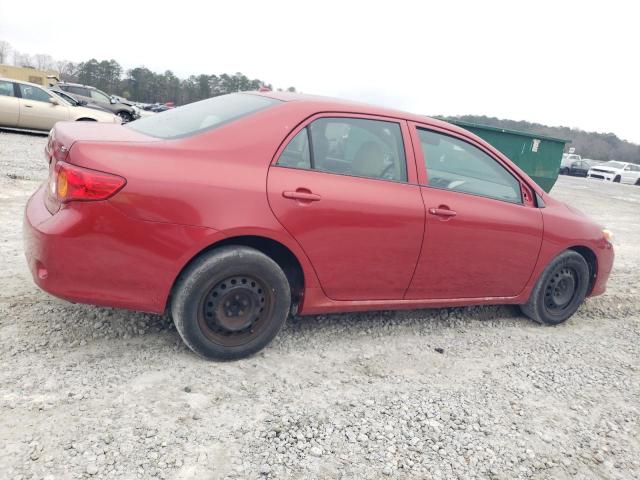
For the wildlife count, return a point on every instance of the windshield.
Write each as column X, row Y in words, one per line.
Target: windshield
column 612, row 164
column 201, row 116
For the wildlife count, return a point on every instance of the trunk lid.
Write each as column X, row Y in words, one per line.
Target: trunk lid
column 65, row 134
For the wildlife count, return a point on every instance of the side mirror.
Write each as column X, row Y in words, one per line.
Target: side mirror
column 113, row 100
column 54, row 101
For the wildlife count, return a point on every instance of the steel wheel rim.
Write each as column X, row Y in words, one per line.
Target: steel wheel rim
column 561, row 290
column 235, row 310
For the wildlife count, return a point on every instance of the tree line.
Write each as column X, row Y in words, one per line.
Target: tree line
column 137, row 84
column 593, row 145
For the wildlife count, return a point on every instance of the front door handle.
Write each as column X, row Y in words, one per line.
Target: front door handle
column 29, row 106
column 302, row 195
column 442, row 211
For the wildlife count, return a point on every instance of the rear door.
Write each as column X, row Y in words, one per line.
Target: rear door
column 345, row 187
column 9, row 105
column 483, row 231
column 36, row 110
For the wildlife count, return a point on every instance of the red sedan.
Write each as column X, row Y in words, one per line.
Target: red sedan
column 232, row 212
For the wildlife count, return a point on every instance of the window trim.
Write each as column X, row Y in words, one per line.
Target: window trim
column 423, row 176
column 410, row 160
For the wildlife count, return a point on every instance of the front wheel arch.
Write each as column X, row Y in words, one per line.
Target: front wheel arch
column 592, row 261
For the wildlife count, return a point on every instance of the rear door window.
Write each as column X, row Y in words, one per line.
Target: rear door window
column 349, row 146
column 453, row 164
column 358, row 147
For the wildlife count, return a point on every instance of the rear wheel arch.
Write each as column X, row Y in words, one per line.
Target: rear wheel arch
column 274, row 249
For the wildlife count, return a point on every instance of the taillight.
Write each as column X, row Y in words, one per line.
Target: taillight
column 69, row 183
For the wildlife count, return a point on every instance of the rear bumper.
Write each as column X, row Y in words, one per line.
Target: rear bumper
column 91, row 252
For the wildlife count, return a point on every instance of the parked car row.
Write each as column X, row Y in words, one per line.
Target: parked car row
column 29, row 106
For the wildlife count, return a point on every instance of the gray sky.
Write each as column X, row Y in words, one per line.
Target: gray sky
column 555, row 62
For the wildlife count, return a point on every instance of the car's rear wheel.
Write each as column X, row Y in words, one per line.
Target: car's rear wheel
column 564, row 171
column 560, row 290
column 230, row 303
column 617, row 179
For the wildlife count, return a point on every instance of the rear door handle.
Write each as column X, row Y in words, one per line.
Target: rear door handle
column 29, row 106
column 304, row 196
column 442, row 212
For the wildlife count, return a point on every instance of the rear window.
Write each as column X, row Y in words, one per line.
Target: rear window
column 201, row 116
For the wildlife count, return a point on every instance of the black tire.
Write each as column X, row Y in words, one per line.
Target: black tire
column 616, row 179
column 560, row 290
column 125, row 116
column 230, row 303
column 638, row 182
column 86, row 120
column 564, row 171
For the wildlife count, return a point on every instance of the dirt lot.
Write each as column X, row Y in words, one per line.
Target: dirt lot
column 452, row 393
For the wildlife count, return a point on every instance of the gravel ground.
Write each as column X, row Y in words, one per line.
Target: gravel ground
column 88, row 392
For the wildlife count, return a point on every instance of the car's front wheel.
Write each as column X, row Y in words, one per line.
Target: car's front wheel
column 560, row 290
column 230, row 303
column 617, row 179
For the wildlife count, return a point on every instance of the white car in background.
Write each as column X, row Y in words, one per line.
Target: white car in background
column 614, row 171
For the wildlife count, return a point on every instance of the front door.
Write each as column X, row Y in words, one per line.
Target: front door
column 482, row 235
column 36, row 110
column 342, row 189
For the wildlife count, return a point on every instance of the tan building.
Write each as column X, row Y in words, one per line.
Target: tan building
column 29, row 74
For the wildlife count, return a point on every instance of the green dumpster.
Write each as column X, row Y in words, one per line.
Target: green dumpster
column 538, row 155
